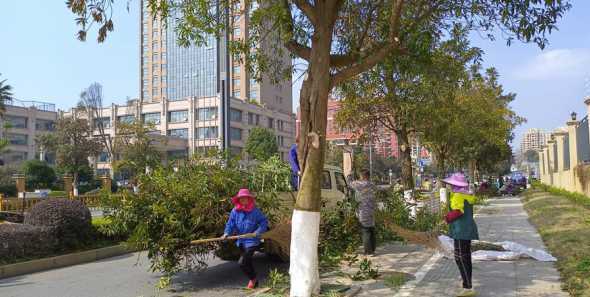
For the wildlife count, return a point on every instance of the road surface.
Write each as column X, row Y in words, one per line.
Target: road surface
column 128, row 276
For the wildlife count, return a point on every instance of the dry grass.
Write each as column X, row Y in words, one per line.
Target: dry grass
column 564, row 228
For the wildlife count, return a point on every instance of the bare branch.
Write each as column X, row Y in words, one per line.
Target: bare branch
column 307, row 9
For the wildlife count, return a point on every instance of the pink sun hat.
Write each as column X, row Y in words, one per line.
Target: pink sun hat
column 241, row 194
column 457, row 179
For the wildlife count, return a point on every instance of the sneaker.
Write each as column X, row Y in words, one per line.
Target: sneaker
column 253, row 283
column 467, row 293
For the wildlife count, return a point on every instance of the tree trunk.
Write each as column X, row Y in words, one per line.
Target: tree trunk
column 407, row 174
column 306, row 215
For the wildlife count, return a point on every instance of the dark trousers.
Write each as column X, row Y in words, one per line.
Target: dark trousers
column 246, row 261
column 369, row 240
column 463, row 260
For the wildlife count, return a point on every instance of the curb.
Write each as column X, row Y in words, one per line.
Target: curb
column 62, row 261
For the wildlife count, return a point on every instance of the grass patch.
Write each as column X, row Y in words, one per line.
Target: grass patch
column 395, row 280
column 57, row 194
column 563, row 225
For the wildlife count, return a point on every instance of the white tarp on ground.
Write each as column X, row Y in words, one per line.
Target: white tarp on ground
column 514, row 251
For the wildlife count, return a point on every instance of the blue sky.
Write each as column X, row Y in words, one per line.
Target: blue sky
column 42, row 60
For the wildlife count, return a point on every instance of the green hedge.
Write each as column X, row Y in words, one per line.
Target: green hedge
column 577, row 198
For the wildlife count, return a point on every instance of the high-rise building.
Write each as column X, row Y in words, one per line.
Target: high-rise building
column 533, row 139
column 172, row 72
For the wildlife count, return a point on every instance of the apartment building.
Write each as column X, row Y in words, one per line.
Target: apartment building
column 533, row 139
column 21, row 123
column 192, row 125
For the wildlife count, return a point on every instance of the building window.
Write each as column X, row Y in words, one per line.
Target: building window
column 103, row 157
column 178, row 116
column 155, row 34
column 155, row 91
column 235, row 151
column 206, row 132
column 105, row 122
column 180, row 133
column 251, row 118
column 145, row 49
column 44, row 125
column 155, row 57
column 257, row 120
column 253, row 82
column 155, row 67
column 156, row 81
column 280, row 140
column 127, row 119
column 164, row 56
column 18, row 139
column 155, row 46
column 253, row 94
column 146, row 95
column 15, row 122
column 103, row 172
column 237, row 32
column 235, row 133
column 235, row 115
column 145, row 39
column 271, row 122
column 151, row 118
column 236, row 94
column 236, row 82
column 280, row 125
column 177, row 155
column 206, row 114
column 16, row 156
column 236, row 70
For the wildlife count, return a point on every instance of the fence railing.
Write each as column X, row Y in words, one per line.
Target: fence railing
column 16, row 204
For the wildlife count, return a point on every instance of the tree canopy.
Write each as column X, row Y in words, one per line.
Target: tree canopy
column 261, row 144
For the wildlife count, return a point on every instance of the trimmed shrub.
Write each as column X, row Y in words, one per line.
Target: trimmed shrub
column 9, row 190
column 69, row 220
column 24, row 241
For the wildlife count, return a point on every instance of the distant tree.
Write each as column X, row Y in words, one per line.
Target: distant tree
column 72, row 144
column 38, row 174
column 531, row 156
column 5, row 95
column 136, row 149
column 261, row 144
column 91, row 102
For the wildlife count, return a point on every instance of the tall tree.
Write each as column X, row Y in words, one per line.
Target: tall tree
column 73, row 144
column 39, row 174
column 91, row 102
column 338, row 40
column 261, row 144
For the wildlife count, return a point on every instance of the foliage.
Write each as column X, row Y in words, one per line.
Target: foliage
column 39, row 175
column 396, row 280
column 73, row 144
column 577, row 198
column 339, row 233
column 5, row 95
column 366, row 271
column 563, row 227
column 277, row 281
column 69, row 220
column 174, row 207
column 261, row 144
column 20, row 241
column 136, row 148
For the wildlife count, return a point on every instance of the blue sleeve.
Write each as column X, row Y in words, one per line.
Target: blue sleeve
column 262, row 223
column 293, row 159
column 230, row 226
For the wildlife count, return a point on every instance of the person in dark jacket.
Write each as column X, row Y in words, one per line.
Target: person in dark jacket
column 365, row 196
column 295, row 169
column 462, row 228
column 245, row 218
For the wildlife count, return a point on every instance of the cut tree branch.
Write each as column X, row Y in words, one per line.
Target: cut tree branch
column 292, row 45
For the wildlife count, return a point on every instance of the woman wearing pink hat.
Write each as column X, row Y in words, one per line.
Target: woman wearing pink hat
column 462, row 228
column 245, row 218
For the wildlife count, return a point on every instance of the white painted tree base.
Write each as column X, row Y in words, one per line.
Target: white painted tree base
column 305, row 231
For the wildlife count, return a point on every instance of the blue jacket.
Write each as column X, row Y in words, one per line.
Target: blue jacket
column 294, row 162
column 241, row 222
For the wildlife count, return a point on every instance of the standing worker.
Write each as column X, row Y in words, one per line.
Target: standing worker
column 365, row 195
column 294, row 162
column 462, row 228
column 245, row 218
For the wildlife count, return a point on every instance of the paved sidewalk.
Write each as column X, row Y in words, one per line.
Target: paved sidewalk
column 503, row 220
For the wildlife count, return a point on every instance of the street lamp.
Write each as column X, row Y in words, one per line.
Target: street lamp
column 574, row 115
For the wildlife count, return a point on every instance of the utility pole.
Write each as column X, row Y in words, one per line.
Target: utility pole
column 223, row 78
